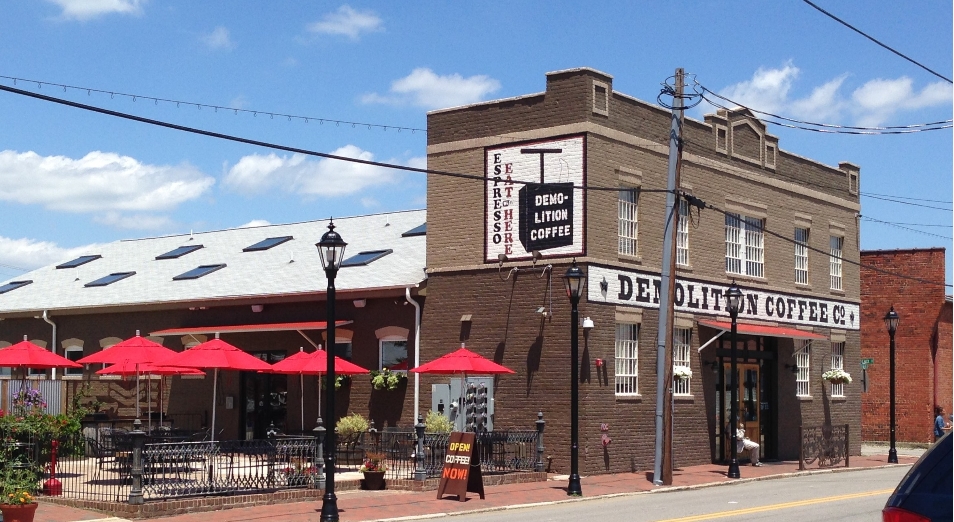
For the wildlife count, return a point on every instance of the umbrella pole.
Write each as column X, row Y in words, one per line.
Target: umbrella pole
column 301, row 400
column 215, row 390
column 149, row 401
column 138, row 411
column 161, row 381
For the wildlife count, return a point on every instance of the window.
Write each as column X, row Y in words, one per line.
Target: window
column 179, row 252
column 834, row 261
column 265, row 244
column 393, row 354
column 13, row 285
column 628, row 221
column 837, row 363
column 111, row 278
column 601, row 98
column 627, row 359
column 420, row 230
column 803, row 357
column 682, row 234
column 681, row 339
column 744, row 248
column 343, row 349
column 853, row 183
column 73, row 353
column 198, row 272
column 365, row 258
column 801, row 256
column 81, row 260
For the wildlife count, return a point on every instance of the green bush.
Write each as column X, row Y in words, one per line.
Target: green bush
column 351, row 424
column 385, row 379
column 437, row 423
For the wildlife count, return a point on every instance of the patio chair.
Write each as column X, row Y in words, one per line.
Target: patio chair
column 102, row 454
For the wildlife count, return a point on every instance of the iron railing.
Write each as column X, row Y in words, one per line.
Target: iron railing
column 828, row 445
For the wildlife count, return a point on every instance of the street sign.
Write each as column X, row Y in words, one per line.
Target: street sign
column 866, row 362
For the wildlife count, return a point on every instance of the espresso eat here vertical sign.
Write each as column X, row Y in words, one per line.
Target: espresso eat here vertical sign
column 459, row 475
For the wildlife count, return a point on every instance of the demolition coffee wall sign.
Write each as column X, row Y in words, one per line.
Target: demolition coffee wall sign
column 642, row 289
column 531, row 203
column 461, row 471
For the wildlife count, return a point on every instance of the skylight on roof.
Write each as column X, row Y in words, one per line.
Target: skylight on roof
column 110, row 279
column 198, row 272
column 13, row 285
column 81, row 260
column 179, row 252
column 419, row 230
column 365, row 258
column 265, row 244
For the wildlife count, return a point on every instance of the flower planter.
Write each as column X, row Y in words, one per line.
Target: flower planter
column 18, row 512
column 373, row 480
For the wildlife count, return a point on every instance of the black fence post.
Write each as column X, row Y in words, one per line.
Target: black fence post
column 538, row 465
column 138, row 441
column 319, row 460
column 420, row 473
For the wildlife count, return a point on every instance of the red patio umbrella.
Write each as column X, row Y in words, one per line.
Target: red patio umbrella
column 25, row 354
column 217, row 355
column 313, row 363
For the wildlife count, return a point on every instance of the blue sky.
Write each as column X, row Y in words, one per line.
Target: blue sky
column 70, row 179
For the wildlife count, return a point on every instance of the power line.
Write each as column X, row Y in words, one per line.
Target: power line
column 859, row 31
column 899, row 225
column 905, row 197
column 906, row 202
column 215, row 108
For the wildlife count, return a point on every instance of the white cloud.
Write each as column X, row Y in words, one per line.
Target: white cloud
column 30, row 254
column 104, row 184
column 370, row 202
column 219, row 38
column 301, row 175
column 423, row 88
column 418, row 162
column 133, row 221
column 873, row 104
column 87, row 9
column 239, row 102
column 255, row 223
column 348, row 22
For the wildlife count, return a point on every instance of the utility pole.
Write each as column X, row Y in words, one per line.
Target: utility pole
column 662, row 469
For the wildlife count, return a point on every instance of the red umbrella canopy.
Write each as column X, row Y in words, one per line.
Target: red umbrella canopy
column 133, row 350
column 128, row 368
column 25, row 354
column 217, row 354
column 315, row 363
column 462, row 361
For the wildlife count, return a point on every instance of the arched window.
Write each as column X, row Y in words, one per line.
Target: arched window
column 73, row 350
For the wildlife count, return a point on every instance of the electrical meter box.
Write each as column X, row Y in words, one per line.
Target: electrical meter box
column 472, row 410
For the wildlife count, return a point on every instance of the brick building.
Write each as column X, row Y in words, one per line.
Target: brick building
column 923, row 355
column 499, row 246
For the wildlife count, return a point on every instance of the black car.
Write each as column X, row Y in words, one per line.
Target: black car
column 925, row 492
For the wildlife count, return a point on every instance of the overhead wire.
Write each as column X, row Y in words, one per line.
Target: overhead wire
column 906, row 202
column 862, row 33
column 906, row 197
column 897, row 225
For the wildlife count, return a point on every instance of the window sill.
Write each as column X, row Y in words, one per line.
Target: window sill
column 839, row 398
column 72, row 377
column 803, row 286
column 630, row 258
column 684, row 268
column 629, row 398
column 804, row 398
column 748, row 278
column 684, row 398
column 837, row 292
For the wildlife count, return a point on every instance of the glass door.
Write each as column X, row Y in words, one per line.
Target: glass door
column 749, row 399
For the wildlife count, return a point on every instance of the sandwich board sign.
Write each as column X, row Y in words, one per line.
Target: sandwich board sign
column 461, row 473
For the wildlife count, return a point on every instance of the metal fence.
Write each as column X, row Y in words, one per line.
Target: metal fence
column 828, row 445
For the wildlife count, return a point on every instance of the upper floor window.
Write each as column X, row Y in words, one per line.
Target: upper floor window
column 681, row 338
column 744, row 247
column 628, row 221
column 801, row 256
column 834, row 263
column 73, row 353
column 803, row 356
column 393, row 354
column 682, row 234
column 627, row 359
column 837, row 363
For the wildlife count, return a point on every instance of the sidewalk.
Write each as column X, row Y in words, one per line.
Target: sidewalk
column 378, row 505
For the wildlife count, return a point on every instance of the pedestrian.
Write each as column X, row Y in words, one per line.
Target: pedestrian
column 940, row 425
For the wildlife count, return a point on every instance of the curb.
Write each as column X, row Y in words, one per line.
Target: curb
column 635, row 493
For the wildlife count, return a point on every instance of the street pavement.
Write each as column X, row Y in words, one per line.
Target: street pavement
column 359, row 505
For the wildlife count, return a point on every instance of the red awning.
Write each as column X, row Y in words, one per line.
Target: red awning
column 766, row 331
column 243, row 328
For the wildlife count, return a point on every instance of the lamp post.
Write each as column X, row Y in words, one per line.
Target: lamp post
column 734, row 298
column 331, row 249
column 573, row 281
column 891, row 321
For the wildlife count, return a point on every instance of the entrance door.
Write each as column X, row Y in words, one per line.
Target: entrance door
column 749, row 399
column 264, row 399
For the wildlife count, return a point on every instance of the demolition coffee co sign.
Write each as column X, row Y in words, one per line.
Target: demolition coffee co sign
column 530, row 200
column 642, row 289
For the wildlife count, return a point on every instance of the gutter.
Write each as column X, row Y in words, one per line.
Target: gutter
column 46, row 317
column 417, row 350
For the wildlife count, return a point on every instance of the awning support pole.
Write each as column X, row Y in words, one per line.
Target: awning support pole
column 710, row 341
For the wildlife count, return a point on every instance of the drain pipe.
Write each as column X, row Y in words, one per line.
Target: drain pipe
column 417, row 350
column 46, row 317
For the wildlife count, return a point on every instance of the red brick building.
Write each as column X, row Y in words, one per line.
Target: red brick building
column 923, row 355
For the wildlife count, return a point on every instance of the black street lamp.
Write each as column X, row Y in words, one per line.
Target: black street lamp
column 733, row 298
column 891, row 321
column 573, row 281
column 331, row 249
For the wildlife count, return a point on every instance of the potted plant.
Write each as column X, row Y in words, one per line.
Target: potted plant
column 373, row 469
column 837, row 376
column 681, row 373
column 19, row 484
column 385, row 379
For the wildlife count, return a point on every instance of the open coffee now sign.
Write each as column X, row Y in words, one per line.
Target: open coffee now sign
column 461, row 473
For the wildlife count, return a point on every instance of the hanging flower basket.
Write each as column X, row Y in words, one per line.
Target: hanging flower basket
column 386, row 379
column 681, row 373
column 837, row 376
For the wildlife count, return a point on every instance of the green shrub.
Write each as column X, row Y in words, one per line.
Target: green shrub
column 351, row 424
column 385, row 379
column 437, row 423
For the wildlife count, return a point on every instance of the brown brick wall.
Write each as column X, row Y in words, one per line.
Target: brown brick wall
column 920, row 353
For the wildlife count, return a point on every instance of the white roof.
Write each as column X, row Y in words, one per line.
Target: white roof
column 291, row 268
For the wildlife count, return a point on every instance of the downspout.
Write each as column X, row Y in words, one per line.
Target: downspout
column 417, row 350
column 46, row 317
